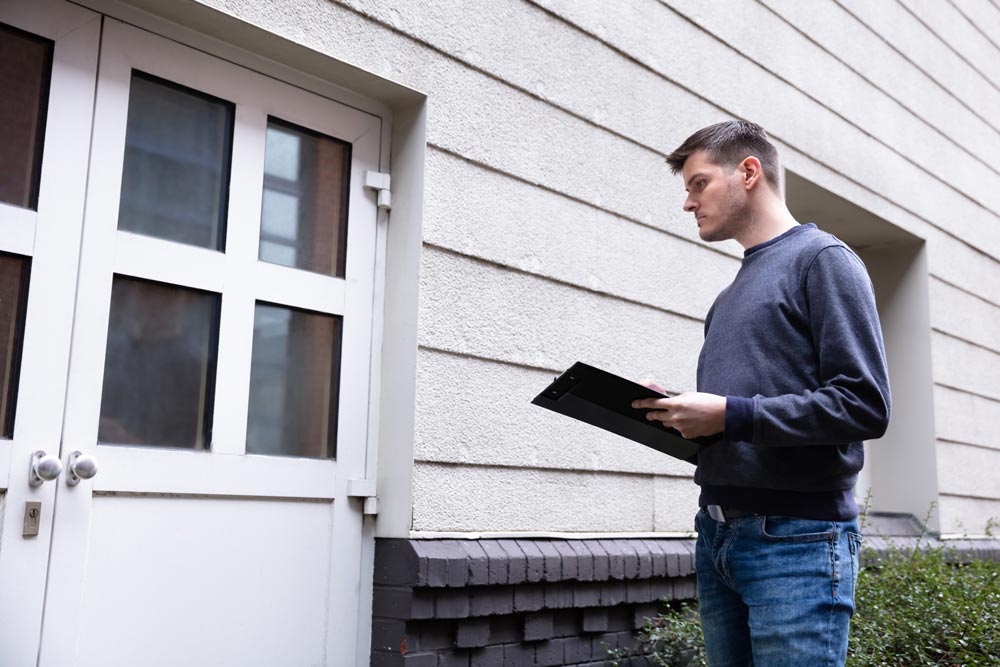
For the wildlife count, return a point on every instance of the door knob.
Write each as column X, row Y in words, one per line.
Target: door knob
column 44, row 468
column 81, row 466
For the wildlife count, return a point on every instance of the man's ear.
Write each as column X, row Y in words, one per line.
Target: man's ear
column 752, row 172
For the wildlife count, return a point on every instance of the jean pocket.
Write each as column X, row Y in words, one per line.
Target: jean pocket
column 854, row 541
column 792, row 529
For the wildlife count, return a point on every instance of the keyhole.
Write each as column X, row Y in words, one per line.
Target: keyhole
column 33, row 514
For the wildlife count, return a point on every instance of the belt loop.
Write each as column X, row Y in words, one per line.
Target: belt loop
column 715, row 511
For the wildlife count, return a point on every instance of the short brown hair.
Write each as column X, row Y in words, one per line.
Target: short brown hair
column 729, row 143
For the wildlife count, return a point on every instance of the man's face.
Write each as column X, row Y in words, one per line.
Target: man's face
column 716, row 197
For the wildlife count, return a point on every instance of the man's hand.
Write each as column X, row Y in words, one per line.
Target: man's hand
column 692, row 413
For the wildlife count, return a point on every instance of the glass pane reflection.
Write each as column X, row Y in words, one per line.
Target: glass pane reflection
column 25, row 68
column 294, row 383
column 303, row 221
column 13, row 301
column 159, row 373
column 175, row 179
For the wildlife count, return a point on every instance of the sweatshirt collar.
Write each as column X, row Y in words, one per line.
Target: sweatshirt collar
column 765, row 244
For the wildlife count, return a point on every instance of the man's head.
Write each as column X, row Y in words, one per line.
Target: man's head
column 728, row 169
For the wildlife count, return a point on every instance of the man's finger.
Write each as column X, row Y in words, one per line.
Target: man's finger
column 663, row 403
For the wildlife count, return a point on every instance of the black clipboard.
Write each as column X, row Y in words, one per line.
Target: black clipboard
column 604, row 400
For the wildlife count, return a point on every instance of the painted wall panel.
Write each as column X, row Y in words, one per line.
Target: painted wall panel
column 968, row 471
column 963, row 417
column 486, row 499
column 480, row 412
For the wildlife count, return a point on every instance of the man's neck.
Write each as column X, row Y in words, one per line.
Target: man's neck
column 767, row 224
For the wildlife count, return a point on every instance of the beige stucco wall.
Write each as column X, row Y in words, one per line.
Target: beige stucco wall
column 553, row 231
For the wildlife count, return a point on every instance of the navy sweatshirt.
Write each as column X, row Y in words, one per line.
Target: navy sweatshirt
column 794, row 344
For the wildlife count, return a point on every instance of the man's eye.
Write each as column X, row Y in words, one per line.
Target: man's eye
column 701, row 185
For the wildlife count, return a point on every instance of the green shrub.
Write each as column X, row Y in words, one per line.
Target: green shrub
column 913, row 609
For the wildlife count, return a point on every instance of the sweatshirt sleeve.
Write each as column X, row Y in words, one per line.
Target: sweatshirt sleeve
column 852, row 401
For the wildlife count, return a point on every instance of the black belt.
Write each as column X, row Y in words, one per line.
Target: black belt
column 723, row 514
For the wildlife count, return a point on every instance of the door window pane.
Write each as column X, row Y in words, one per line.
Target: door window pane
column 25, row 67
column 159, row 373
column 294, row 383
column 175, row 182
column 303, row 220
column 13, row 302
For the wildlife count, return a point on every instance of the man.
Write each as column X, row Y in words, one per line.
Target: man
column 792, row 371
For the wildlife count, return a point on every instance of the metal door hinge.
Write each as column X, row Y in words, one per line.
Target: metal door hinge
column 380, row 183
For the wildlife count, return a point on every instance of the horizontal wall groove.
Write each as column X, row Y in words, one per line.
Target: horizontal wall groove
column 965, row 290
column 591, row 205
column 914, row 64
column 885, row 92
column 947, row 45
column 953, row 235
column 564, row 283
column 535, row 468
column 493, row 360
column 945, row 494
column 964, row 443
column 970, row 392
column 840, row 115
column 973, row 343
column 505, row 362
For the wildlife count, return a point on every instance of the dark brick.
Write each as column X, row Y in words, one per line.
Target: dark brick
column 660, row 589
column 516, row 562
column 453, row 659
column 638, row 591
column 473, row 633
column 497, row 600
column 408, row 660
column 518, row 655
column 601, row 560
column 529, row 597
column 631, row 568
column 400, row 602
column 452, row 603
column 657, row 558
column 565, row 623
column 584, row 560
column 612, row 593
column 599, row 645
column 433, row 553
column 553, row 560
column 616, row 559
column 568, row 560
column 587, row 595
column 620, row 619
column 645, row 558
column 577, row 649
column 558, row 596
column 595, row 620
column 498, row 561
column 537, row 626
column 388, row 634
column 506, row 629
column 549, row 653
column 535, row 561
column 626, row 640
column 430, row 636
column 674, row 562
column 490, row 656
column 458, row 565
column 686, row 557
column 478, row 563
column 641, row 613
column 685, row 589
column 397, row 564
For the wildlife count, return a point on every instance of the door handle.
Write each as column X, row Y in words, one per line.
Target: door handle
column 44, row 468
column 81, row 466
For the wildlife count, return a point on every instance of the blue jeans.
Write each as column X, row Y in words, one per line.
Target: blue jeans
column 776, row 591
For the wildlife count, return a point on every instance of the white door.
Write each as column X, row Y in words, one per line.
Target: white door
column 47, row 70
column 218, row 374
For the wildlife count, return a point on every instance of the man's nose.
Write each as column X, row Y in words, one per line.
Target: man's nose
column 690, row 204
